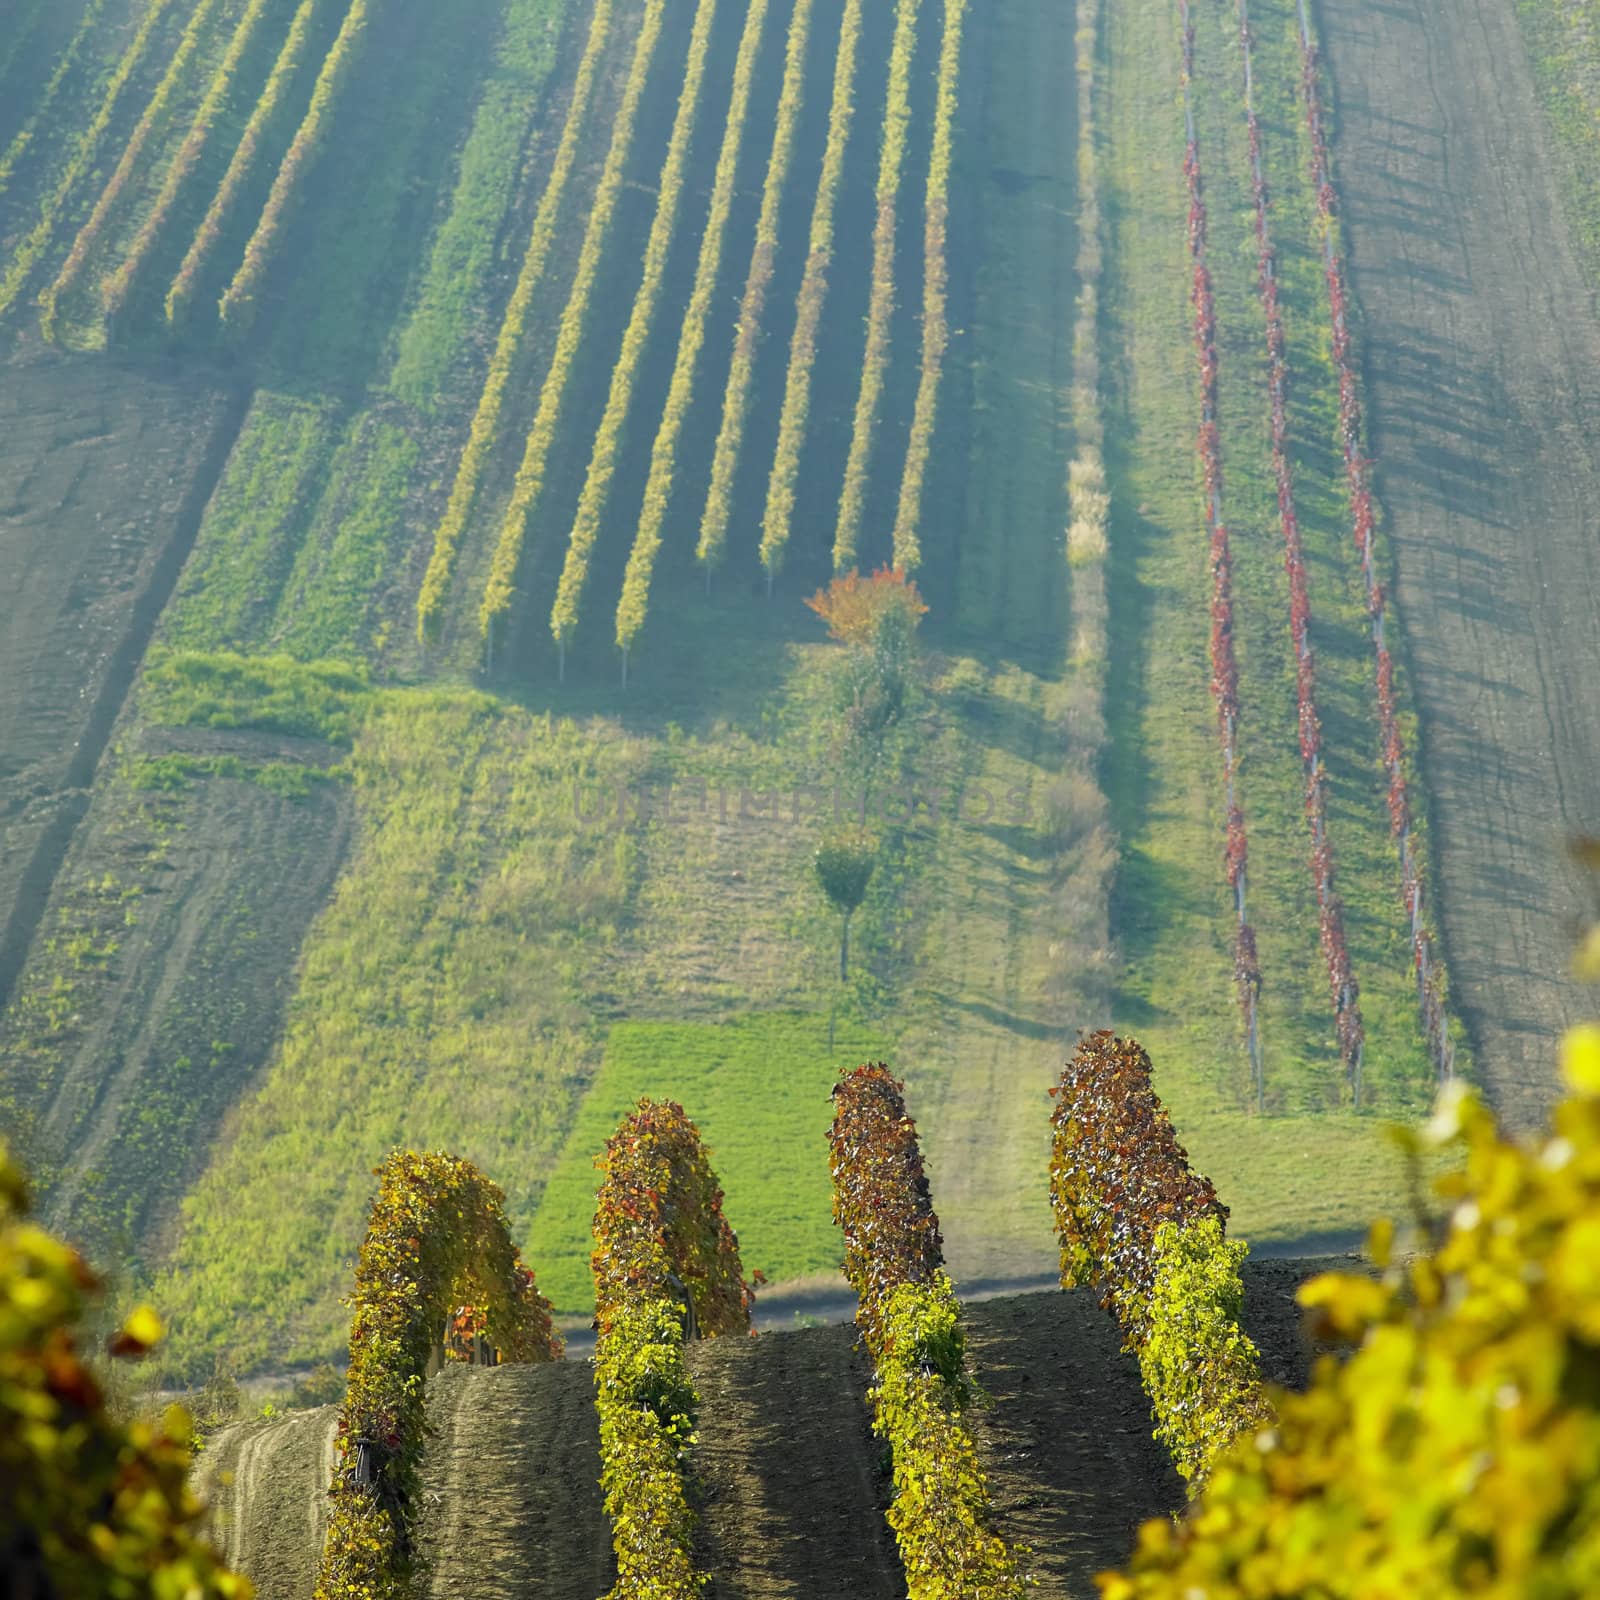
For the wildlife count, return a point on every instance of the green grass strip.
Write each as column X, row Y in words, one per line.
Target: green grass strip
column 752, row 308
column 69, row 57
column 874, row 364
column 117, row 286
column 779, row 512
column 465, row 251
column 634, row 602
column 935, row 282
column 209, row 233
column 87, row 147
column 237, row 305
column 501, row 586
column 89, row 234
column 486, row 421
column 608, row 440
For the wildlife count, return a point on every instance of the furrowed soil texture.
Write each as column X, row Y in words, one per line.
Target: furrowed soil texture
column 1483, row 358
column 789, row 1483
column 103, row 476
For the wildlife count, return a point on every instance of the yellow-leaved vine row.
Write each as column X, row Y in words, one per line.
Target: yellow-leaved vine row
column 486, row 420
column 501, row 585
column 813, row 293
column 32, row 247
column 935, row 281
column 736, row 397
column 234, row 179
column 238, row 303
column 69, row 57
column 691, row 340
column 874, row 364
column 608, row 440
column 116, row 287
column 89, row 233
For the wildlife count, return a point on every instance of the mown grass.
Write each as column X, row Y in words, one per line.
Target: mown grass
column 1312, row 1169
column 1563, row 41
column 757, row 1086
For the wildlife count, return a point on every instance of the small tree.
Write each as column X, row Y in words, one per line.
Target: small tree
column 876, row 620
column 844, row 866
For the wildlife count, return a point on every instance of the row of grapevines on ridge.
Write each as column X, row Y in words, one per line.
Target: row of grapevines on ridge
column 237, row 305
column 272, row 104
column 935, row 282
column 880, row 305
column 752, row 306
column 513, row 327
column 666, row 1268
column 779, row 513
column 941, row 1514
column 1138, row 1224
column 501, row 585
column 189, row 42
column 624, row 375
column 81, row 161
column 634, row 601
column 437, row 1236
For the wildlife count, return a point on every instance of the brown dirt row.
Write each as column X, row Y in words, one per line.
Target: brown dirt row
column 265, row 1484
column 512, row 1485
column 1483, row 362
column 103, row 477
column 790, row 1483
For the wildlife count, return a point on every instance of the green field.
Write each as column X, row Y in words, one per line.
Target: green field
column 758, row 1086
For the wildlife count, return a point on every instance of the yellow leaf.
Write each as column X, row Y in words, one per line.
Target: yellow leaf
column 143, row 1326
column 1580, row 1059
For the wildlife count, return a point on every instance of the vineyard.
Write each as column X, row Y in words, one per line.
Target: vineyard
column 570, row 565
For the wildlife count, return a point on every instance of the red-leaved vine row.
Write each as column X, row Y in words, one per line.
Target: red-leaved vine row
column 1330, row 914
column 1117, row 1173
column 1224, row 665
column 880, row 1194
column 1430, row 975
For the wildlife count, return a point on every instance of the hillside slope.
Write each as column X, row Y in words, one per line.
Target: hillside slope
column 791, row 1483
column 1483, row 354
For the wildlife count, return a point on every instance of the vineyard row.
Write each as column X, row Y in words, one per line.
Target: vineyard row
column 1432, row 988
column 1224, row 662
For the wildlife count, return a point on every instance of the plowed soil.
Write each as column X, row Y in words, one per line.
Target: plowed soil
column 1483, row 359
column 266, row 1486
column 790, row 1483
column 103, row 477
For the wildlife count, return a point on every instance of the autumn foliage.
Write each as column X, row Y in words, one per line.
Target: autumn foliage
column 1117, row 1172
column 1456, row 1453
column 437, row 1258
column 91, row 1506
column 908, row 1315
column 666, row 1266
column 855, row 608
column 880, row 1193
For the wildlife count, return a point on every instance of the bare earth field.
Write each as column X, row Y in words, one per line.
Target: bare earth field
column 104, row 474
column 1483, row 361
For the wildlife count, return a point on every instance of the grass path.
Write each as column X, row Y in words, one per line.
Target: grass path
column 990, row 1034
